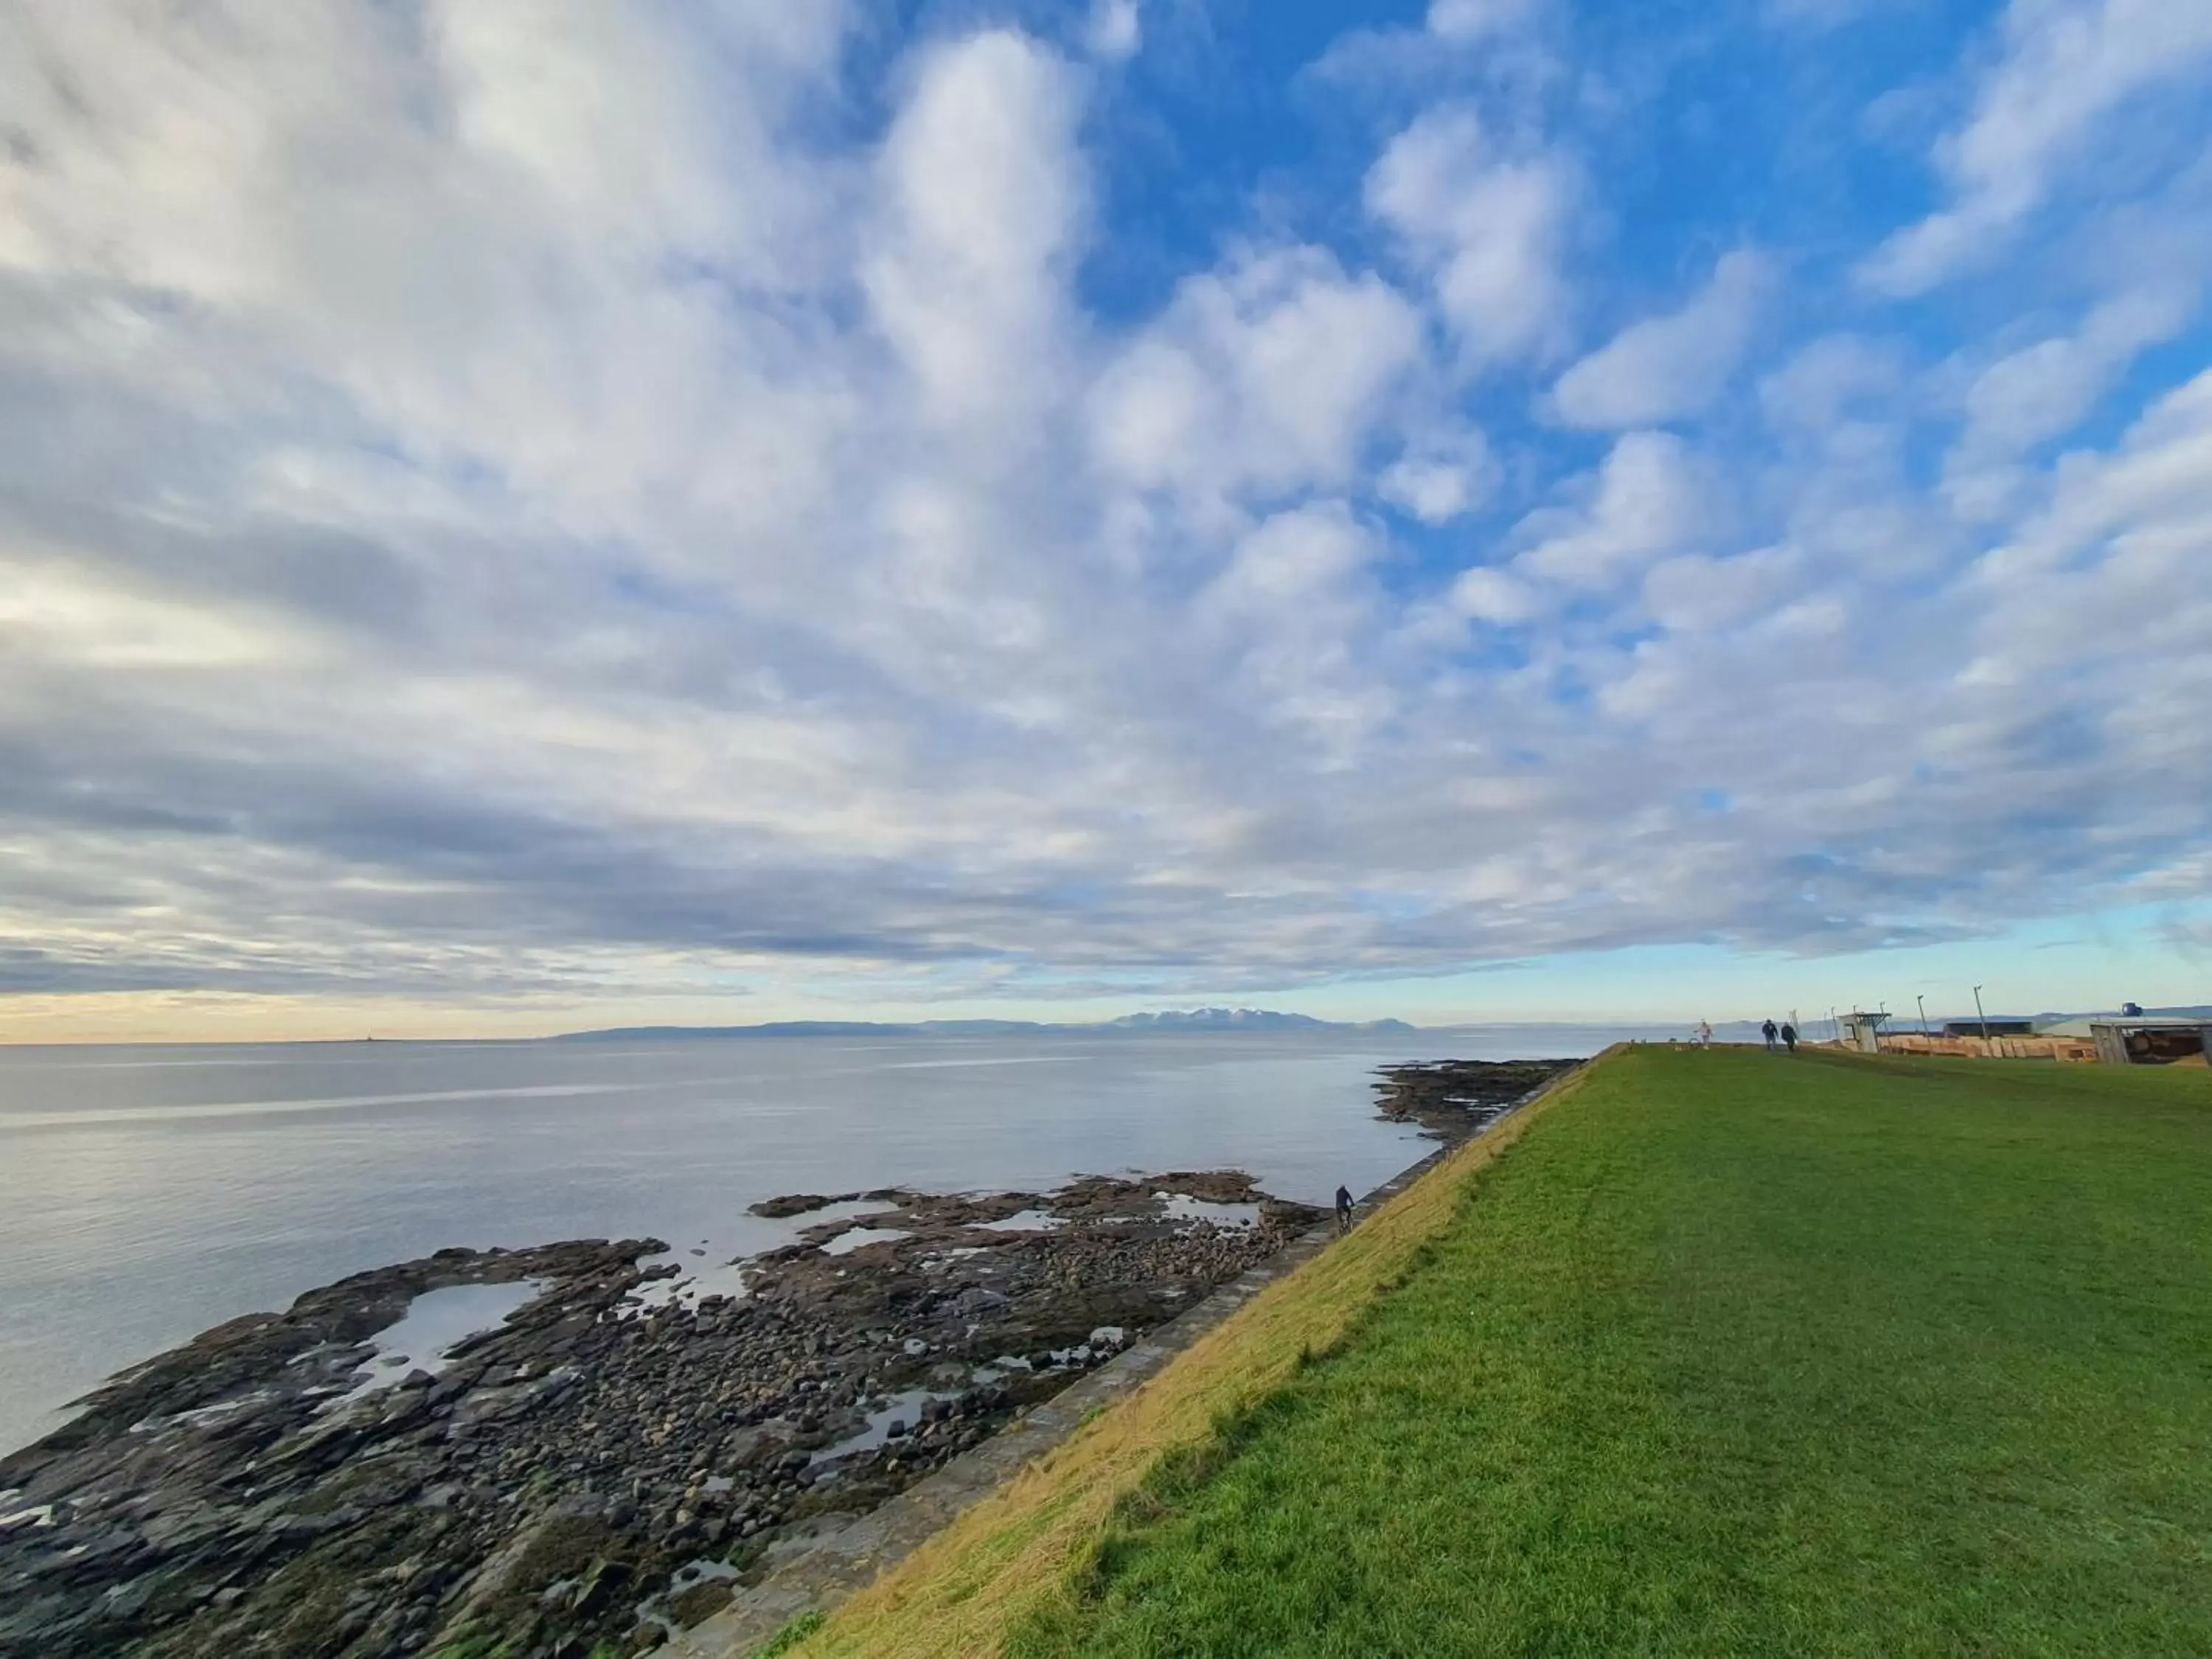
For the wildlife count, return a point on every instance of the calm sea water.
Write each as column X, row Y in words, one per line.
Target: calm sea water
column 146, row 1194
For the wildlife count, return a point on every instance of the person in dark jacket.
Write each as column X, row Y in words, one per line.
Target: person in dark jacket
column 1344, row 1209
column 1768, row 1032
column 1790, row 1037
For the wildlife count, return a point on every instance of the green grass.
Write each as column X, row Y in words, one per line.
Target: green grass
column 960, row 1594
column 790, row 1636
column 1736, row 1354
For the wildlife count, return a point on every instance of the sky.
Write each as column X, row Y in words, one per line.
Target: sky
column 549, row 513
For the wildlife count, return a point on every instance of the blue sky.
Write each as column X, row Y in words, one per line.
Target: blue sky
column 519, row 516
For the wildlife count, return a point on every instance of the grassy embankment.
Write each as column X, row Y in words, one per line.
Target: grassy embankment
column 1732, row 1354
column 965, row 1590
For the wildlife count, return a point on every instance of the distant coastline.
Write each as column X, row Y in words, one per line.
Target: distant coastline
column 1195, row 1020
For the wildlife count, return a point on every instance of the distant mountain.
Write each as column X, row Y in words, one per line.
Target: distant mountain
column 1194, row 1020
column 1245, row 1019
column 1219, row 1019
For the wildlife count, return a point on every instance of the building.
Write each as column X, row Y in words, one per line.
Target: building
column 2183, row 1038
column 1862, row 1031
column 2152, row 1042
column 2036, row 1046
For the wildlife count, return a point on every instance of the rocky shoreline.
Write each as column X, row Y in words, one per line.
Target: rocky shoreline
column 1451, row 1099
column 602, row 1467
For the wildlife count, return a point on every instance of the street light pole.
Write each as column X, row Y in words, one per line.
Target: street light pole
column 1922, row 1001
column 1979, row 1015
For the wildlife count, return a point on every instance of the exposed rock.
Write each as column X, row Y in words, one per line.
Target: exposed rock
column 583, row 1460
column 1452, row 1099
column 791, row 1204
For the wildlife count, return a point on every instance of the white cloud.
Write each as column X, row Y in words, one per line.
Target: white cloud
column 1267, row 376
column 1435, row 492
column 1828, row 380
column 2065, row 66
column 1665, row 368
column 1697, row 594
column 49, row 609
column 1842, row 411
column 1441, row 478
column 294, row 197
column 1651, row 497
column 986, row 205
column 1114, row 31
column 1462, row 21
column 1292, row 607
column 2089, row 647
column 1498, row 41
column 617, row 125
column 1290, row 560
column 2044, row 390
column 537, row 502
column 2153, row 484
column 1486, row 594
column 1486, row 228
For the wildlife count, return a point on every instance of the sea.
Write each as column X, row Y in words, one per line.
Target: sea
column 146, row 1194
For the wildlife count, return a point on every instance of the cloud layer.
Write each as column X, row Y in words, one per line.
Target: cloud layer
column 548, row 500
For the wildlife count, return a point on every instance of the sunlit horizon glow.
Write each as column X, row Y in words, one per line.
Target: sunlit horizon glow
column 528, row 517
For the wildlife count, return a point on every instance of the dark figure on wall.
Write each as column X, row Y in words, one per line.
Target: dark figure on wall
column 1344, row 1209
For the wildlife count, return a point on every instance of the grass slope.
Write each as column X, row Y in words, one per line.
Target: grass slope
column 960, row 1594
column 1736, row 1354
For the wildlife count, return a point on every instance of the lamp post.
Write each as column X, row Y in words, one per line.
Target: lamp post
column 1979, row 1015
column 1922, row 1001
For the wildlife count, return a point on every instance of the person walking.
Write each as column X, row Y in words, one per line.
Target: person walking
column 1790, row 1037
column 1768, row 1032
column 1343, row 1210
column 1705, row 1035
